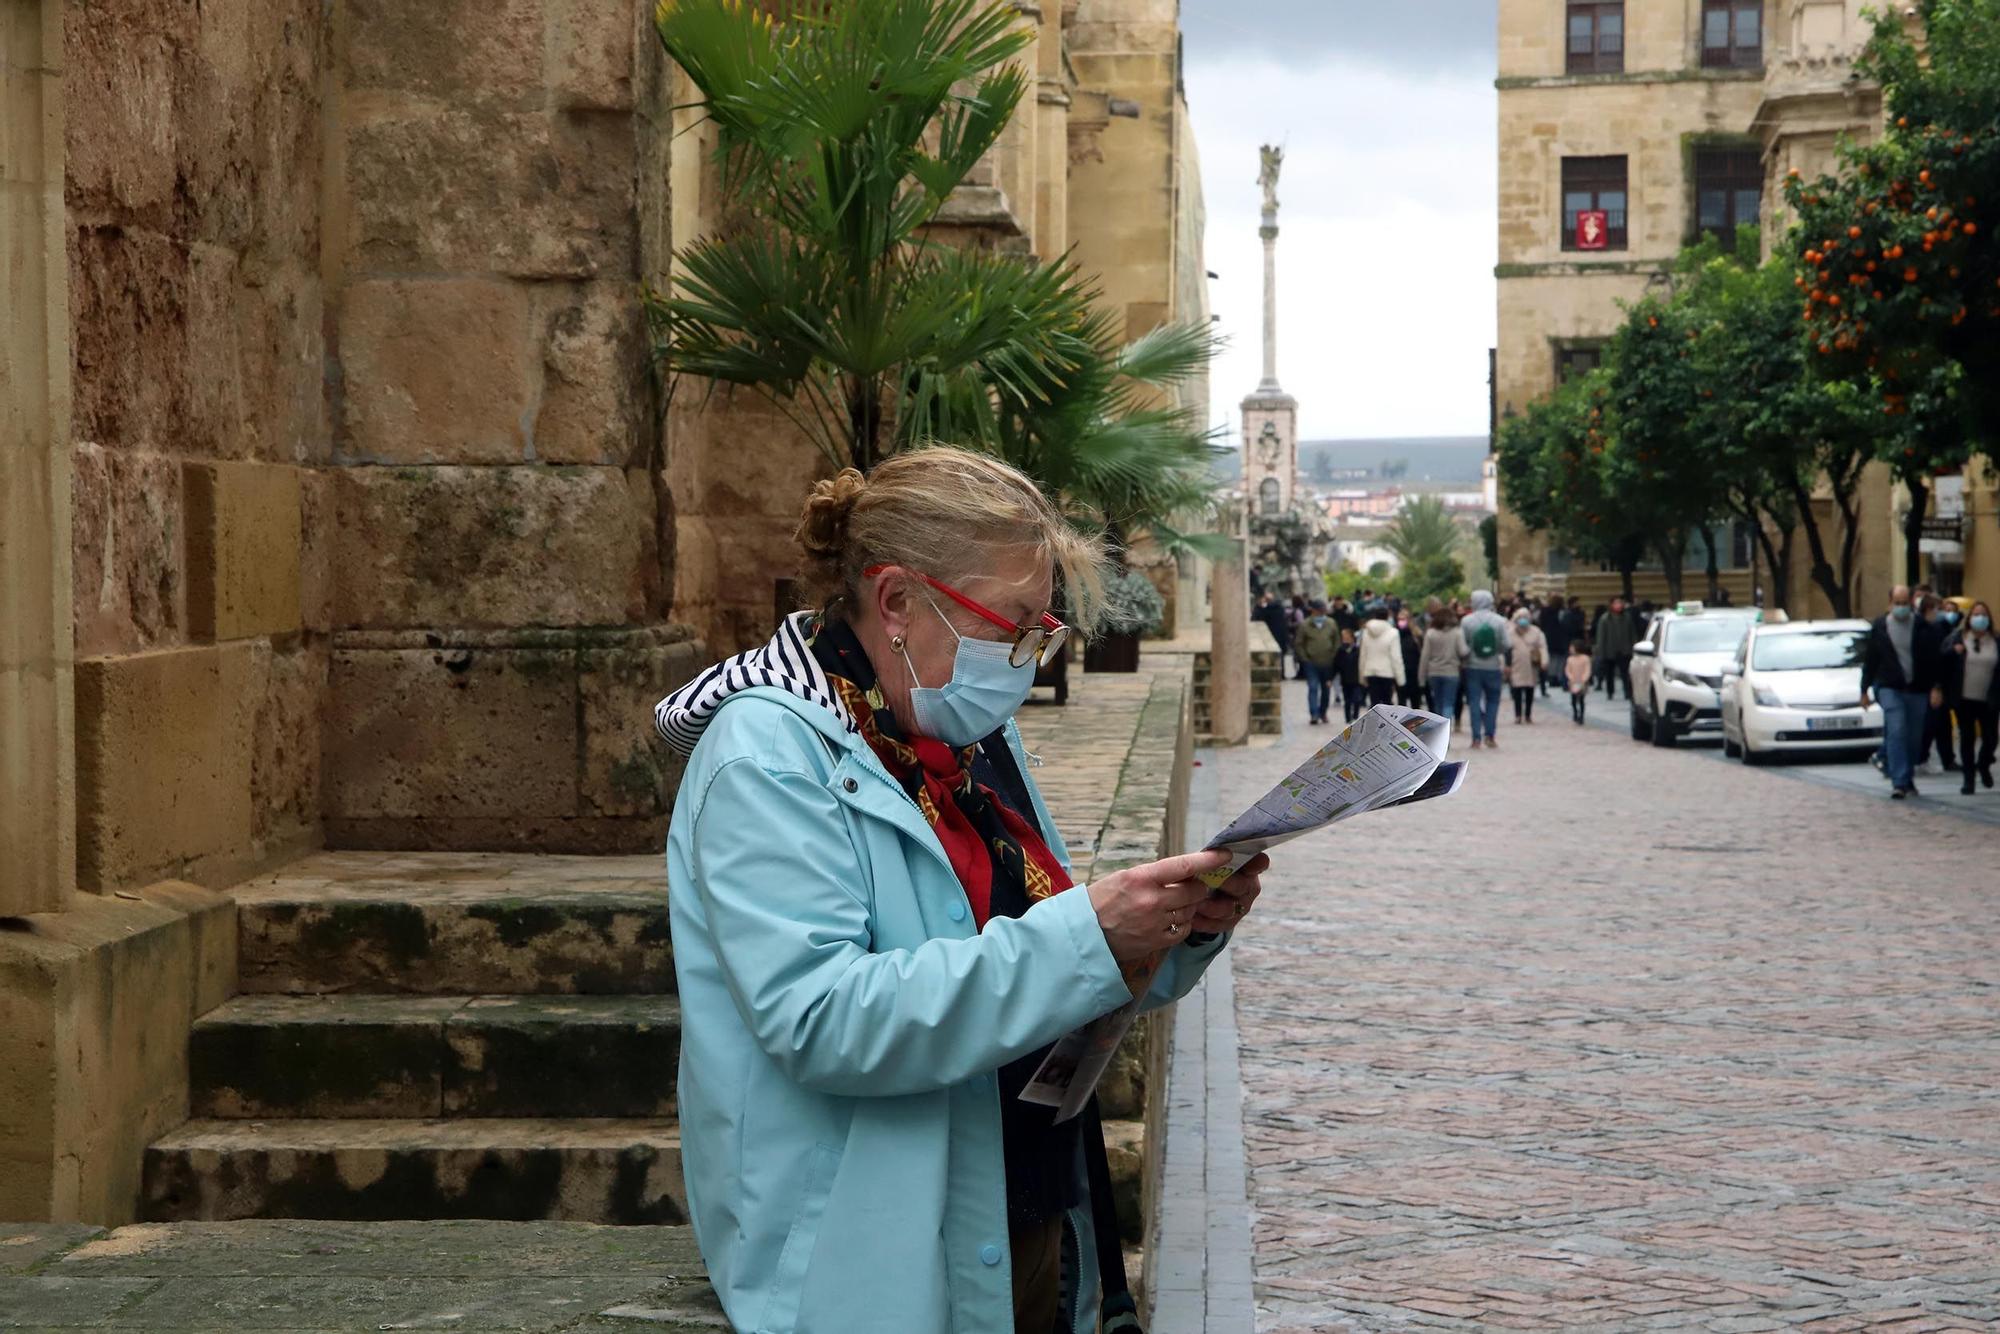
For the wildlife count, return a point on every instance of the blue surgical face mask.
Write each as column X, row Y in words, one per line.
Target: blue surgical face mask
column 1982, row 623
column 985, row 690
column 1901, row 611
column 1949, row 617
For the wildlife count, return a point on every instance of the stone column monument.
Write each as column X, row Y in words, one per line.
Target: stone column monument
column 1270, row 415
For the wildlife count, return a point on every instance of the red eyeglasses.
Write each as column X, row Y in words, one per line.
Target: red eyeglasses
column 1035, row 643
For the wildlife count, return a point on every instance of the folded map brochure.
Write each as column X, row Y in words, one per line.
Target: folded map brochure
column 1389, row 756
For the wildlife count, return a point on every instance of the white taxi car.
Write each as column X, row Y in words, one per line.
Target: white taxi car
column 1677, row 670
column 1797, row 687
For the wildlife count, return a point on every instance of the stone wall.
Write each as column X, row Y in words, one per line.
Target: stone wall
column 195, row 305
column 37, row 744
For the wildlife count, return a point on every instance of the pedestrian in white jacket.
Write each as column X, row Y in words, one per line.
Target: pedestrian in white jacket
column 1381, row 658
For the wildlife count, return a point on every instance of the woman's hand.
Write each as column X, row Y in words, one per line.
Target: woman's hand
column 1227, row 907
column 1148, row 908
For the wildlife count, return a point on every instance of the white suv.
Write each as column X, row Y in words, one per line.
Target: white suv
column 1677, row 670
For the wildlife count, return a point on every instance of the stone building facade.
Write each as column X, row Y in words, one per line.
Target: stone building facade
column 1684, row 115
column 338, row 505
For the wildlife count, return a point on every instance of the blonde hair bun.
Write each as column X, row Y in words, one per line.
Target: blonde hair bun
column 822, row 534
column 944, row 511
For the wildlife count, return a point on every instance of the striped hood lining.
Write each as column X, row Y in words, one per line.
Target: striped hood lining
column 786, row 663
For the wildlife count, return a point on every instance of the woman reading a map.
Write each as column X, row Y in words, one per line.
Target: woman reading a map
column 877, row 938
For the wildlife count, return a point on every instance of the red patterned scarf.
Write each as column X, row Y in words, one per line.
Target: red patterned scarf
column 940, row 780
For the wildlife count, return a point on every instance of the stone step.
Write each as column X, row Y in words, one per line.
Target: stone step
column 456, row 924
column 436, row 1056
column 585, row 1171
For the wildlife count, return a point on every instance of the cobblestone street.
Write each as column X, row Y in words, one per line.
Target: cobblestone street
column 1622, row 1039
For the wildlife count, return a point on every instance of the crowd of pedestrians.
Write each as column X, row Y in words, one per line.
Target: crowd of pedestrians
column 1930, row 665
column 1457, row 657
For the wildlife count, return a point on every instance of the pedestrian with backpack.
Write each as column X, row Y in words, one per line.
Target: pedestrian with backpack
column 1484, row 632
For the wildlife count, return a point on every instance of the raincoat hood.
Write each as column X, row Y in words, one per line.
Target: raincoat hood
column 1482, row 601
column 786, row 663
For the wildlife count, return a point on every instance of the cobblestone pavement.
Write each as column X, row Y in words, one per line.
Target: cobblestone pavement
column 1622, row 1039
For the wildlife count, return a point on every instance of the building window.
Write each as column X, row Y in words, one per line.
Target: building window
column 1575, row 362
column 1732, row 34
column 1728, row 190
column 1267, row 494
column 1594, row 183
column 1596, row 37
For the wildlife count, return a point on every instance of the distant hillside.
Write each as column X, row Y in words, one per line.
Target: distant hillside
column 1448, row 459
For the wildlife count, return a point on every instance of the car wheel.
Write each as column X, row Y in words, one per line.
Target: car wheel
column 1642, row 727
column 1730, row 748
column 1663, row 731
column 1752, row 757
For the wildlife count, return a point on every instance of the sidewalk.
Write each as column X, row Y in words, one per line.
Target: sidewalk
column 292, row 1277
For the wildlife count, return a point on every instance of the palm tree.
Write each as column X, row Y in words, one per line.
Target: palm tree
column 1106, row 437
column 1425, row 539
column 844, row 129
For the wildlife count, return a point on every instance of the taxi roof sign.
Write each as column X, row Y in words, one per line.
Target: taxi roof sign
column 1688, row 608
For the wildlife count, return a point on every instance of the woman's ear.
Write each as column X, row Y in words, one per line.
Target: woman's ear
column 890, row 595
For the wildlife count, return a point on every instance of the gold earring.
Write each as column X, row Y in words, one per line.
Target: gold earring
column 896, row 643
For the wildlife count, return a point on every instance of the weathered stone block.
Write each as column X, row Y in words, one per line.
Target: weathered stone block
column 119, row 67
column 562, row 1056
column 319, row 1056
column 524, row 194
column 242, row 549
column 455, row 50
column 436, row 371
column 627, row 770
column 128, row 302
column 451, row 731
column 126, row 569
column 1125, row 1151
column 519, row 546
column 619, row 1171
column 502, row 739
column 476, row 926
column 285, row 761
column 247, row 119
column 592, row 47
column 593, row 376
column 163, row 763
column 255, row 359
column 95, row 1006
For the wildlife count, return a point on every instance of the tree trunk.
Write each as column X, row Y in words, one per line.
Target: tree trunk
column 1913, row 529
column 1714, row 570
column 1672, row 550
column 1822, row 572
column 864, row 423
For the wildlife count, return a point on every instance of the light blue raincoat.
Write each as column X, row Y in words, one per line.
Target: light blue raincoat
column 842, row 1023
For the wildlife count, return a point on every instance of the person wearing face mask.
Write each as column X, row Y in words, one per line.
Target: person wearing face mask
column 1381, row 657
column 1971, row 672
column 1527, row 660
column 877, row 938
column 1945, row 619
column 1900, row 671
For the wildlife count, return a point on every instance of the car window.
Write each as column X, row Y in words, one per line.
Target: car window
column 1811, row 651
column 1708, row 634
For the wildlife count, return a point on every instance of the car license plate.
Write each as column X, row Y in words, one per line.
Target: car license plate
column 1832, row 724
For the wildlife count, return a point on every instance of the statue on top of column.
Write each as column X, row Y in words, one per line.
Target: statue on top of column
column 1273, row 158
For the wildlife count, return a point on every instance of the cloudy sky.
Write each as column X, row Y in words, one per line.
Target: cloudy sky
column 1385, row 262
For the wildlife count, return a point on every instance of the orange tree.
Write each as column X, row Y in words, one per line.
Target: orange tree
column 1657, row 450
column 1554, row 470
column 1900, row 276
column 1771, row 430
